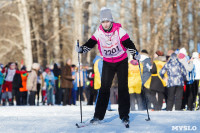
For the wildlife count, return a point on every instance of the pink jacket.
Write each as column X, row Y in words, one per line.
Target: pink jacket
column 110, row 43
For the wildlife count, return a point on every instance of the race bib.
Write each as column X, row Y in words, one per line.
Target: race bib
column 110, row 44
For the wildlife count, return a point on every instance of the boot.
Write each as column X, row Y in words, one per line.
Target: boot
column 125, row 120
column 95, row 121
column 4, row 103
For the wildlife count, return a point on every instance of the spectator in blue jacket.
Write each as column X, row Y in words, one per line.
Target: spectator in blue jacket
column 50, row 82
column 100, row 66
column 176, row 76
column 146, row 62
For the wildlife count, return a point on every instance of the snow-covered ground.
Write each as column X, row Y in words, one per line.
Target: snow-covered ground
column 62, row 119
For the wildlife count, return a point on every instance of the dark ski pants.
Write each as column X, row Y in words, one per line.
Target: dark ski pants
column 38, row 93
column 157, row 103
column 58, row 94
column 136, row 98
column 32, row 98
column 108, row 72
column 190, row 96
column 175, row 93
column 92, row 95
column 67, row 96
column 17, row 96
column 23, row 97
column 196, row 86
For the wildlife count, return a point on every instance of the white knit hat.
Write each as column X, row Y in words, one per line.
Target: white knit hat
column 36, row 66
column 105, row 15
column 183, row 51
column 195, row 55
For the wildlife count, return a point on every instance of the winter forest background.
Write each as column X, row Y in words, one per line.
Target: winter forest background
column 46, row 31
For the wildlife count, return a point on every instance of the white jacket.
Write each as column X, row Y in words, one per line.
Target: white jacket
column 196, row 63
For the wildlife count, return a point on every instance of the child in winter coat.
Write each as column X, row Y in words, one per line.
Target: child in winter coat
column 50, row 85
column 176, row 75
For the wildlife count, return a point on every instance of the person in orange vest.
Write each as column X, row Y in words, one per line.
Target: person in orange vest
column 23, row 90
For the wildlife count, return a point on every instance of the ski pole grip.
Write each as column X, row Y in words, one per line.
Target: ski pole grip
column 78, row 43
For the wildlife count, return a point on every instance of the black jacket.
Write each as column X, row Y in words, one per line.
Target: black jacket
column 156, row 83
column 17, row 82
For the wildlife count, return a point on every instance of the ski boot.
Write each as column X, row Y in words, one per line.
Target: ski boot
column 125, row 121
column 95, row 121
column 11, row 104
column 4, row 103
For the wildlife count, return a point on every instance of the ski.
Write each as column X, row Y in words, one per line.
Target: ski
column 87, row 123
column 80, row 125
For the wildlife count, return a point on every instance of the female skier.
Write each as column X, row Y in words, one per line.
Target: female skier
column 113, row 41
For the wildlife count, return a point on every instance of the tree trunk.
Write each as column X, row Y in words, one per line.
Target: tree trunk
column 136, row 33
column 185, row 36
column 56, row 27
column 159, row 39
column 25, row 28
column 174, row 27
column 144, row 24
column 152, row 25
column 34, row 42
column 195, row 23
column 102, row 3
column 44, row 33
column 78, row 27
column 89, row 59
column 122, row 14
column 86, row 14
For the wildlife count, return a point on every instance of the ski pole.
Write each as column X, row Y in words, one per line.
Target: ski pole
column 79, row 81
column 148, row 119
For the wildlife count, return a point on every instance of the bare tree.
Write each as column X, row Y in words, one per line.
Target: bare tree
column 122, row 13
column 56, row 27
column 185, row 36
column 195, row 7
column 174, row 28
column 136, row 33
column 144, row 24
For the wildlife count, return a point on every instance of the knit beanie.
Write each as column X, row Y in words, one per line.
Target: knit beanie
column 183, row 51
column 159, row 53
column 36, row 66
column 181, row 56
column 105, row 15
column 134, row 62
column 195, row 55
column 144, row 51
